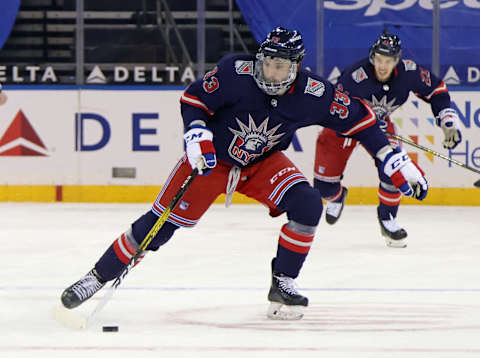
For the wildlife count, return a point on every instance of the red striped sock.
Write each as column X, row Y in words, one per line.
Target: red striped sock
column 294, row 241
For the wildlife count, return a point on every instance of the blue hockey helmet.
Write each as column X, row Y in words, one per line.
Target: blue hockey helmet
column 387, row 45
column 284, row 44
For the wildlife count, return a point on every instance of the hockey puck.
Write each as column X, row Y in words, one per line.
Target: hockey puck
column 110, row 328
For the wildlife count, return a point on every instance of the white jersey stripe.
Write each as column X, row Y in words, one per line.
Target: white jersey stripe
column 195, row 102
column 439, row 89
column 364, row 123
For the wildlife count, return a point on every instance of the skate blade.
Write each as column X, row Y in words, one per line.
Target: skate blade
column 279, row 311
column 400, row 243
column 69, row 318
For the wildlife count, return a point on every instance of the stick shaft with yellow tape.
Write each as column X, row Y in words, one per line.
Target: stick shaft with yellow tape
column 143, row 246
column 431, row 151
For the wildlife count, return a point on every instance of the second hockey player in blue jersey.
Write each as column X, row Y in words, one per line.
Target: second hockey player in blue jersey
column 384, row 80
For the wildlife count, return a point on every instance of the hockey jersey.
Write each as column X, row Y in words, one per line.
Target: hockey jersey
column 249, row 125
column 359, row 80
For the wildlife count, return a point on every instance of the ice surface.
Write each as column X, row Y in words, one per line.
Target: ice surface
column 203, row 294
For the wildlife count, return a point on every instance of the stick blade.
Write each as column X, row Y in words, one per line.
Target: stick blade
column 477, row 183
column 68, row 318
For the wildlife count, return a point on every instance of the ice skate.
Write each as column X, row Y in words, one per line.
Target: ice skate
column 82, row 290
column 395, row 236
column 335, row 208
column 285, row 301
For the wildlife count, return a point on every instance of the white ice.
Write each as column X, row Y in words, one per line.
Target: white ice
column 204, row 293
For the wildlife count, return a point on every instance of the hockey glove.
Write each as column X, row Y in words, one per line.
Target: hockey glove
column 200, row 150
column 405, row 174
column 449, row 122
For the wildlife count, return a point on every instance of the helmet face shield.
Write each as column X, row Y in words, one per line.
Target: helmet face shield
column 274, row 75
column 277, row 60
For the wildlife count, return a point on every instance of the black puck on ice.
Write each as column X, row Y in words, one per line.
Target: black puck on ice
column 110, row 328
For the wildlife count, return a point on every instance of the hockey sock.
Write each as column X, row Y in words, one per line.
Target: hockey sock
column 329, row 191
column 117, row 256
column 144, row 223
column 389, row 202
column 293, row 248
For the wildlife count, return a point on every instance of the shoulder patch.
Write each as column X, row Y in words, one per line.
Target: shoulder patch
column 425, row 76
column 315, row 87
column 359, row 75
column 244, row 67
column 409, row 65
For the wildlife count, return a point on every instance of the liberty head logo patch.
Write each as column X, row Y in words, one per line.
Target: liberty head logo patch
column 251, row 141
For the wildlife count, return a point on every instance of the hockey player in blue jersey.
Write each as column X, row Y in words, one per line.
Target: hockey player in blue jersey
column 238, row 118
column 384, row 80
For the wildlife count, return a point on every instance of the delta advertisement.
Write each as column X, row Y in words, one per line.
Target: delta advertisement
column 78, row 137
column 135, row 137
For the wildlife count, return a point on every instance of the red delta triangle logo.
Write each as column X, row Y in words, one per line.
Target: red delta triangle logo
column 20, row 139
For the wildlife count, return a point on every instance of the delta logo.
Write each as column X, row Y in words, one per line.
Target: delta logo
column 21, row 140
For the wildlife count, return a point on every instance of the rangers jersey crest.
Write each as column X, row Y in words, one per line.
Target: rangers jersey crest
column 359, row 75
column 244, row 67
column 251, row 141
column 315, row 87
column 409, row 65
column 382, row 107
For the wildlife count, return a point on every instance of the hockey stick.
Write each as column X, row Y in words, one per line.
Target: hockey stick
column 428, row 150
column 81, row 322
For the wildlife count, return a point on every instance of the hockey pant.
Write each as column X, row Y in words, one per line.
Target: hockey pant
column 275, row 182
column 331, row 156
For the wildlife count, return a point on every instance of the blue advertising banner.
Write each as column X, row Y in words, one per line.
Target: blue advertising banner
column 8, row 14
column 351, row 26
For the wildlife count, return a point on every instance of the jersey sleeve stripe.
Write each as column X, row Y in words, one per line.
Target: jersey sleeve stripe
column 365, row 122
column 442, row 88
column 195, row 101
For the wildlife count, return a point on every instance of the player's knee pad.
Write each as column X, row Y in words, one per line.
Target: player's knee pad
column 326, row 189
column 142, row 226
column 303, row 204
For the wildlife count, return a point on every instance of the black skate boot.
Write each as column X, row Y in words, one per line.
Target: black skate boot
column 395, row 236
column 335, row 208
column 82, row 290
column 283, row 294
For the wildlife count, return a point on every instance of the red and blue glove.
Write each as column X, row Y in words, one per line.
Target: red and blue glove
column 405, row 174
column 199, row 147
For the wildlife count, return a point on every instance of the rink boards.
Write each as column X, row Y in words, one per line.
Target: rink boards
column 119, row 145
